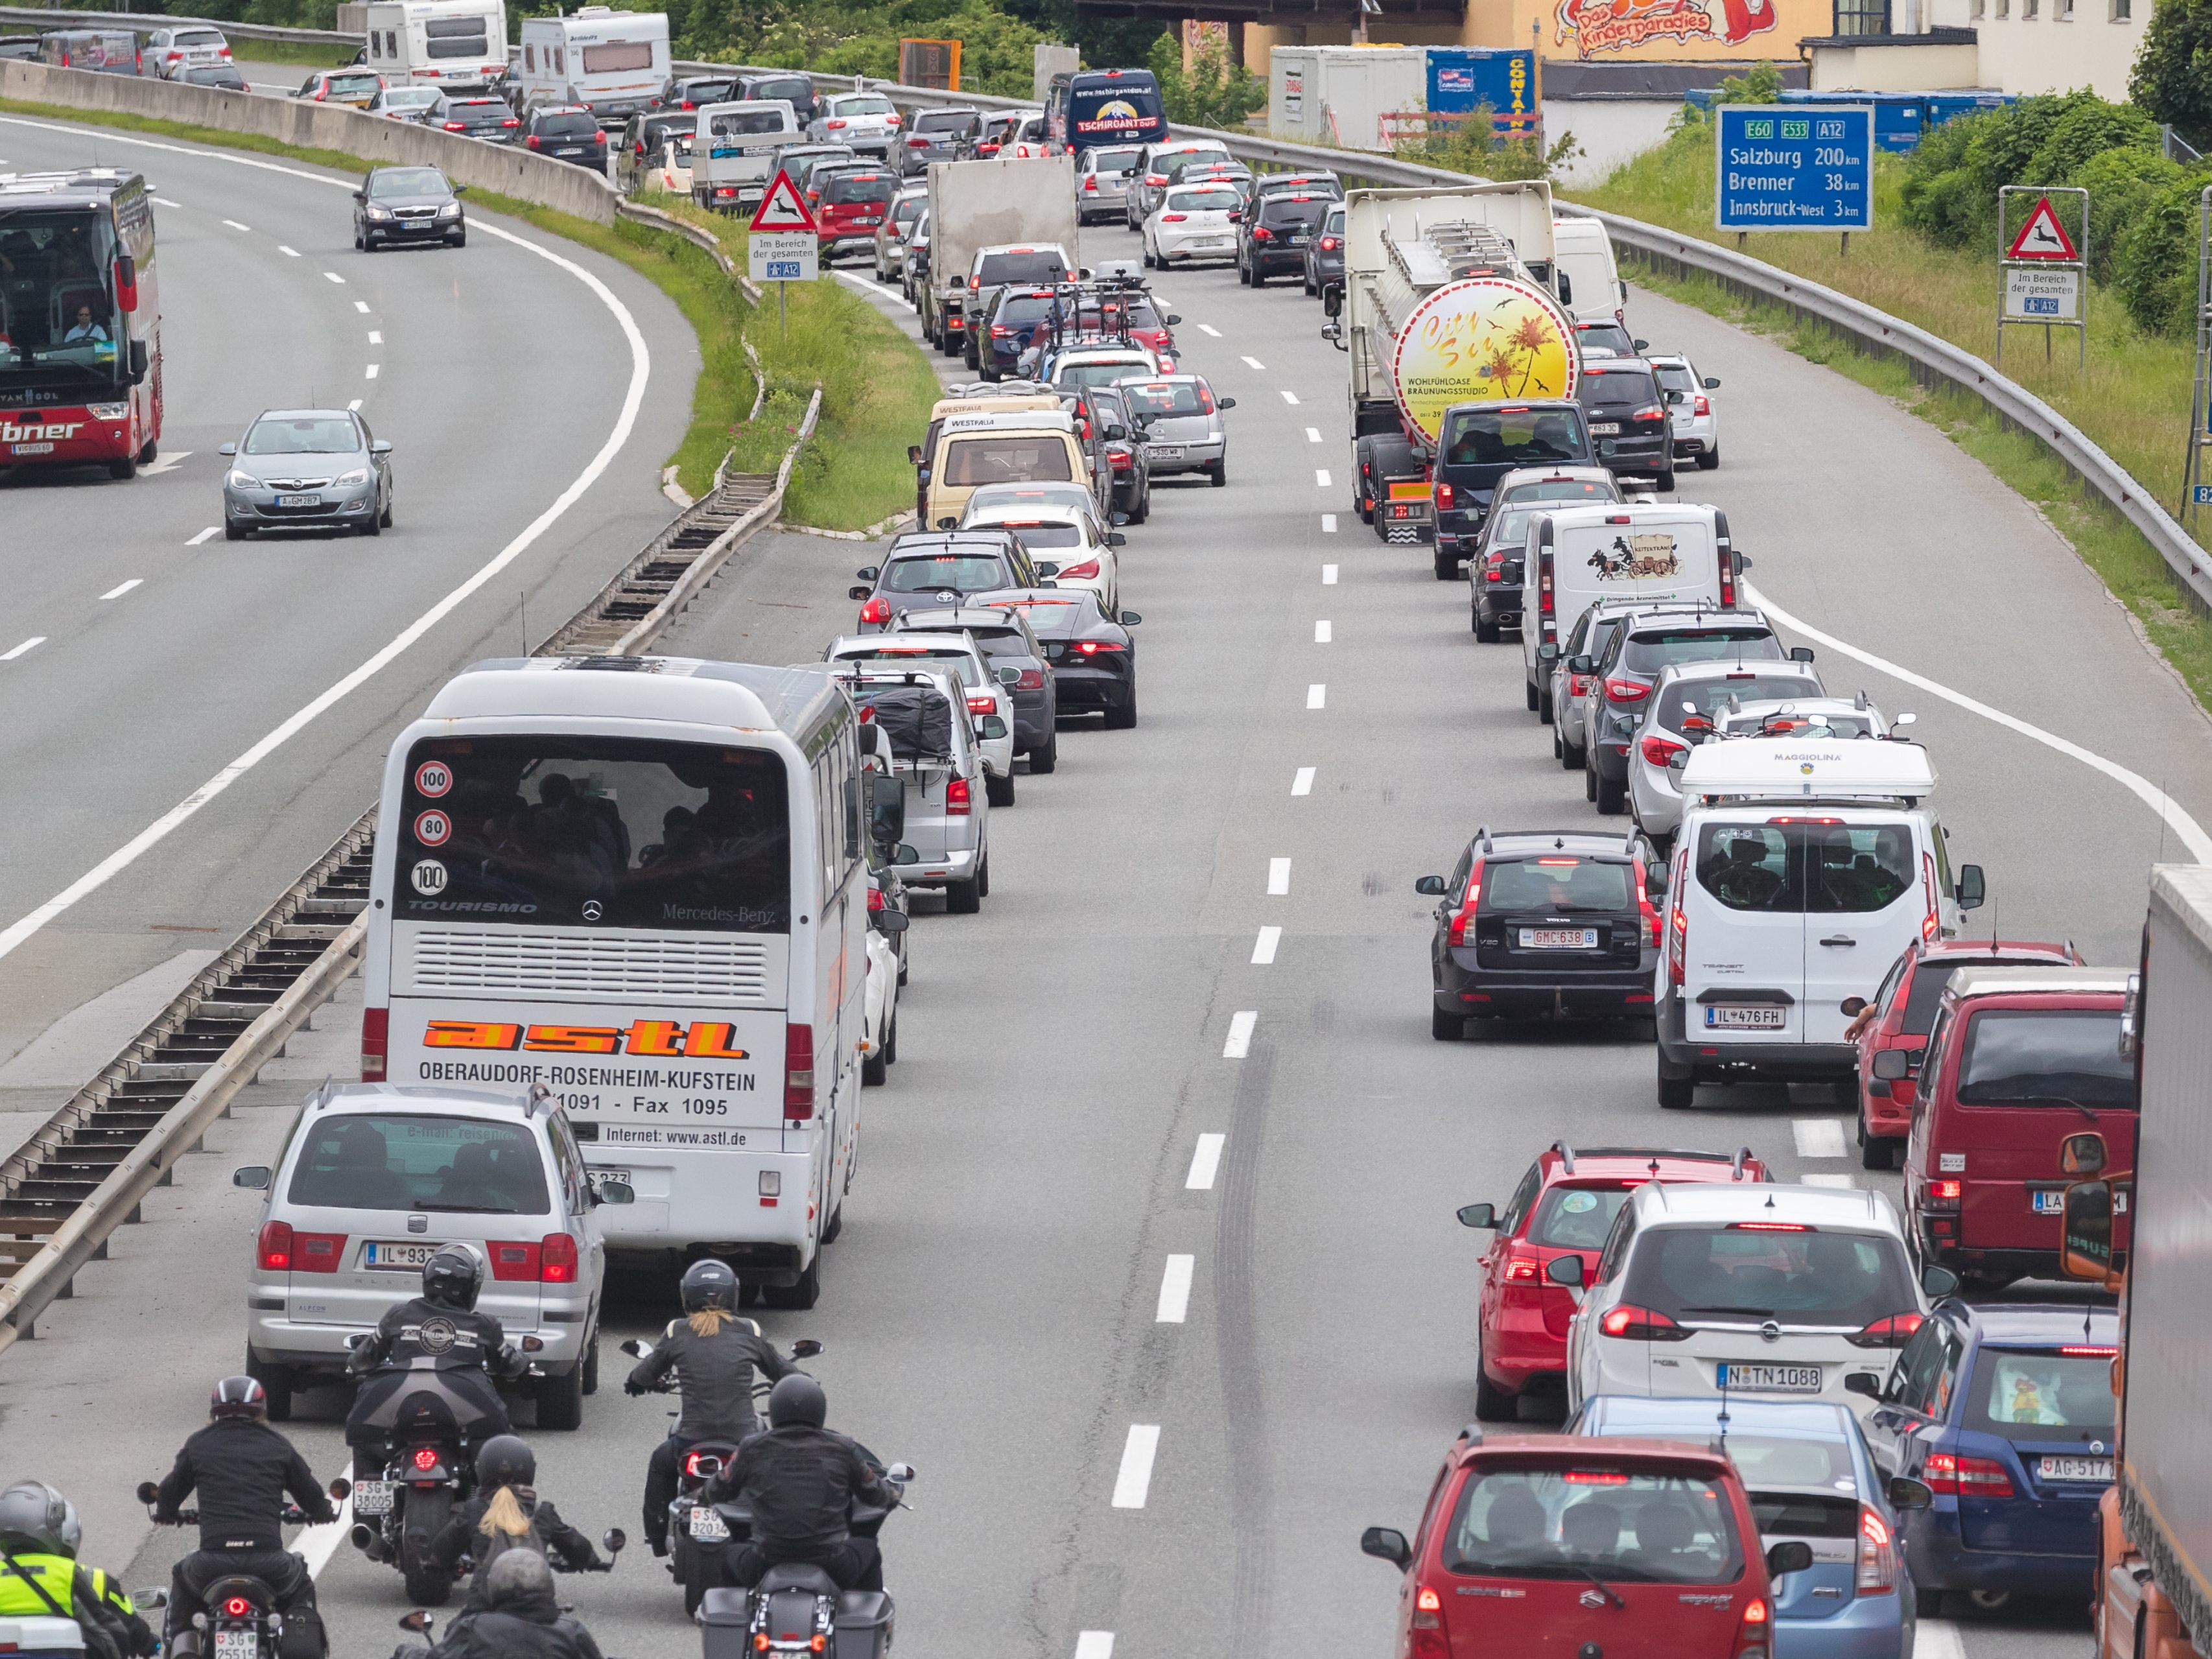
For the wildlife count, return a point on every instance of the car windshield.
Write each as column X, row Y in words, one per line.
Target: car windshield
column 1175, row 166
column 1030, row 266
column 1556, row 881
column 944, row 121
column 1576, row 1217
column 1214, row 198
column 1005, row 460
column 746, row 123
column 352, row 83
column 1507, row 530
column 711, row 92
column 1562, row 489
column 409, row 97
column 1113, row 158
column 1712, row 696
column 2034, row 1057
column 574, row 124
column 304, row 434
column 1034, row 535
column 859, row 187
column 1522, row 437
column 221, row 76
column 1615, row 389
column 1167, row 397
column 1587, row 1516
column 955, row 573
column 1649, row 650
column 905, row 656
column 1800, row 1275
column 1059, row 616
column 1806, row 868
column 1768, row 1460
column 1292, row 210
column 1606, row 337
column 865, row 104
column 408, row 181
column 426, row 1162
column 991, row 496
column 197, row 38
column 793, row 90
column 2026, row 1396
column 479, row 110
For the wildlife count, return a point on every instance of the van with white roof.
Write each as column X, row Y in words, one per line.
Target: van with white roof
column 1017, row 446
column 1803, row 870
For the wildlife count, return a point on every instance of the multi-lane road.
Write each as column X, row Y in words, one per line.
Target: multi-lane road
column 1106, row 1078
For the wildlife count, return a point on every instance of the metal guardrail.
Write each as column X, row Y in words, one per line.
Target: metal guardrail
column 626, row 209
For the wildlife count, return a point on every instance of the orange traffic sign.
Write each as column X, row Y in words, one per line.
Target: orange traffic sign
column 2043, row 237
column 783, row 208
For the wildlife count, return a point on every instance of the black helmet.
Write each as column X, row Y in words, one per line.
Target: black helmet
column 709, row 1284
column 239, row 1396
column 505, row 1460
column 36, row 1519
column 798, row 1400
column 451, row 1277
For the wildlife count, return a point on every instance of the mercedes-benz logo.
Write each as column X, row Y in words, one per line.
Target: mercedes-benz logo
column 1769, row 1331
column 594, row 909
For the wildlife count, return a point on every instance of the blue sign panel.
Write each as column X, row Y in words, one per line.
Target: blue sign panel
column 1503, row 77
column 1780, row 168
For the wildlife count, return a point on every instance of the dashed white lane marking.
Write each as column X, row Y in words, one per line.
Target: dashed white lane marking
column 1097, row 1644
column 1317, row 697
column 1328, row 575
column 1204, row 328
column 1937, row 1638
column 1205, row 1159
column 1323, row 632
column 289, row 253
column 1134, row 1482
column 1254, row 362
column 1279, row 876
column 332, row 276
column 1313, row 435
column 1321, row 478
column 2176, row 816
column 208, row 534
column 1240, row 1034
column 376, row 336
column 1818, row 1137
column 163, row 201
column 235, row 225
column 1826, row 1181
column 1175, row 1290
column 373, row 367
column 121, row 588
column 355, row 404
column 1302, row 784
column 30, row 644
column 362, row 306
column 1289, row 397
column 1263, row 949
column 1328, row 523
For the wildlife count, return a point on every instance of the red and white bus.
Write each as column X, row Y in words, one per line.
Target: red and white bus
column 79, row 321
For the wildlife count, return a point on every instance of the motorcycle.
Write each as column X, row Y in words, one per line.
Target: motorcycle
column 695, row 1533
column 797, row 1608
column 240, row 1619
column 424, row 1624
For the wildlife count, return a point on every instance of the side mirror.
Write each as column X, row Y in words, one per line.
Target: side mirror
column 340, row 1489
column 2082, row 1155
column 886, row 808
column 1117, row 431
column 805, row 1348
column 1115, row 538
column 418, row 1621
column 1712, row 383
column 948, row 524
column 1512, row 571
column 2085, row 1232
column 913, row 453
column 1478, row 1215
column 901, row 1472
column 1046, row 568
column 892, row 922
column 1433, row 886
column 1008, row 674
column 1387, row 1544
column 1174, row 319
column 226, row 449
column 150, row 1597
column 460, row 189
column 1791, row 1555
column 1120, row 517
column 1852, row 1007
column 992, row 727
column 1865, row 1382
column 1567, row 1270
column 1225, row 403
column 148, row 1491
column 380, row 446
column 633, row 1347
column 1332, row 331
column 139, row 362
column 1332, row 301
column 1891, row 1064
column 1655, row 880
column 1129, row 619
column 1640, row 344
column 868, row 573
column 1801, row 654
column 1971, row 888
column 1938, row 1280
column 860, row 590
column 612, row 1541
column 1548, row 652
column 253, row 1176
column 1906, row 1493
column 905, row 855
column 1676, row 397
column 1581, row 665
column 361, row 196
column 616, row 1192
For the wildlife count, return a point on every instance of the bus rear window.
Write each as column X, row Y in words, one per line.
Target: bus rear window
column 597, row 832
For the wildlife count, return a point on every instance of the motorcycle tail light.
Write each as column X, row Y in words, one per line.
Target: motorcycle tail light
column 238, row 1608
column 426, row 1457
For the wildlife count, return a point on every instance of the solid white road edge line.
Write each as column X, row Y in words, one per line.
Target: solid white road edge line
column 208, row 534
column 1095, row 1644
column 1263, row 948
column 1818, row 1137
column 1205, row 1159
column 1279, row 876
column 1240, row 1034
column 119, row 591
column 2177, row 819
column 163, row 201
column 876, row 288
column 1134, row 1483
column 1303, row 783
column 30, row 644
column 641, row 360
column 1175, row 1290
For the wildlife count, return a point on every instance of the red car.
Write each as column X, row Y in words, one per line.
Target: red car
column 1904, row 1012
column 1565, row 1205
column 852, row 208
column 1542, row 1546
column 2019, row 1058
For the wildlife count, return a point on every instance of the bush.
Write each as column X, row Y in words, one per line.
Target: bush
column 2171, row 80
column 2123, row 184
column 1951, row 182
column 2156, row 270
column 1212, row 93
column 2089, row 130
column 1475, row 146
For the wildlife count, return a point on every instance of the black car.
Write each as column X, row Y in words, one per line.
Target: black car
column 1127, row 458
column 1544, row 925
column 1273, row 233
column 1629, row 422
column 1324, row 253
column 567, row 132
column 937, row 134
column 796, row 90
column 939, row 567
column 1494, row 564
column 492, row 120
column 408, row 204
column 1007, row 642
column 1483, row 442
column 1093, row 658
column 694, row 92
column 225, row 75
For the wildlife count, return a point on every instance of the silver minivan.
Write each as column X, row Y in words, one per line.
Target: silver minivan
column 924, row 712
column 374, row 1179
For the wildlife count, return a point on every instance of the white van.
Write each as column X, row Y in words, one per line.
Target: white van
column 454, row 45
column 1577, row 556
column 1585, row 274
column 733, row 151
column 1803, row 870
column 614, row 61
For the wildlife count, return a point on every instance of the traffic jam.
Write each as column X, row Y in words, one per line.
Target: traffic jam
column 627, row 980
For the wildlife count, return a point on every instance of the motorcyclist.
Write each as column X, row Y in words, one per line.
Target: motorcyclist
column 468, row 1348
column 507, row 1514
column 800, row 1480
column 242, row 1469
column 41, row 1578
column 520, row 1620
column 714, row 1353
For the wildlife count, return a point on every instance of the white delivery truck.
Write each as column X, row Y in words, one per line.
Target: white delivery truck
column 733, row 151
column 455, row 45
column 998, row 202
column 614, row 62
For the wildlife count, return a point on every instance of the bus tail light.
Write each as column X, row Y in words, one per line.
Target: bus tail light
column 798, row 1073
column 375, row 1043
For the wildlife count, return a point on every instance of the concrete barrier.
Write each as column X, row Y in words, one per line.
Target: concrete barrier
column 375, row 139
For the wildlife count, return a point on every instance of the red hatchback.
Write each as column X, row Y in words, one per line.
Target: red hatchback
column 852, row 208
column 1548, row 1548
column 1904, row 1012
column 2019, row 1058
column 1565, row 1205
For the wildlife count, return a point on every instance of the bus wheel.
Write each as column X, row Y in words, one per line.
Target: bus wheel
column 146, row 456
column 127, row 467
column 801, row 1296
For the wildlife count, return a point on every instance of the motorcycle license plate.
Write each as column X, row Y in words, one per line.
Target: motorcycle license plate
column 372, row 1497
column 2074, row 1468
column 1721, row 1017
column 1558, row 939
column 237, row 1645
column 706, row 1524
column 1606, row 429
column 299, row 501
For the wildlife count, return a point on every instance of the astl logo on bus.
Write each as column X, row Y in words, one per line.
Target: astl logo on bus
column 662, row 1039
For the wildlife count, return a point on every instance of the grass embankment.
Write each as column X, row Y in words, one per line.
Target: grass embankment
column 2132, row 400
column 306, row 54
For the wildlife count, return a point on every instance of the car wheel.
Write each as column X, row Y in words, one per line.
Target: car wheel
column 384, row 517
column 999, row 791
column 1122, row 719
column 1492, row 1403
column 963, row 898
column 1445, row 1027
column 356, row 239
column 1529, row 690
column 235, row 532
column 1709, row 460
column 561, row 1400
column 1677, row 1093
column 373, row 524
column 1218, row 472
column 1485, row 632
column 1873, row 1150
column 801, row 1296
column 983, row 877
column 1573, row 757
column 1141, row 508
column 890, row 1058
column 1045, row 759
column 1612, row 797
column 1555, row 740
column 459, row 239
column 875, row 1072
column 1243, row 274
column 591, row 1367
column 1259, row 277
column 275, row 1382
column 1667, row 481
column 1544, row 711
column 1311, row 290
column 1590, row 778
column 1447, row 566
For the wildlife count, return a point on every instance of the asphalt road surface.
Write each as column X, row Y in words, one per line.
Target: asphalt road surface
column 992, row 1313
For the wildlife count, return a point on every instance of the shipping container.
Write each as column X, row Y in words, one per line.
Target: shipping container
column 1341, row 94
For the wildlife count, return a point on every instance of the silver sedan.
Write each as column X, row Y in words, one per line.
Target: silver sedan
column 306, row 469
column 1180, row 419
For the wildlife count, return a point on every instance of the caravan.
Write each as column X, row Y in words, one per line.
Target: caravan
column 453, row 45
column 614, row 62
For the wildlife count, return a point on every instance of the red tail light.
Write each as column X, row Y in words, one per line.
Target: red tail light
column 1262, row 233
column 798, row 1073
column 1617, row 690
column 876, row 894
column 238, row 1607
column 1967, row 1477
column 980, row 705
column 1091, row 182
column 1032, row 679
column 515, row 1260
column 1493, row 571
column 1443, row 493
column 1645, row 907
column 598, row 137
column 558, row 1262
column 1156, row 178
column 1330, row 244
column 1173, row 218
column 1877, row 1555
column 1545, row 604
column 1522, row 1269
column 1753, row 1636
column 701, row 1465
column 893, row 120
column 1634, row 1324
column 176, row 57
column 1890, row 1333
column 273, row 1250
column 956, row 802
column 225, row 50
column 426, row 1458
column 1431, row 1639
column 917, row 143
column 1087, row 571
column 1000, row 330
column 1727, row 580
column 1678, row 949
column 375, row 1041
column 1465, row 914
column 1941, row 1194
column 1932, row 923
column 1122, row 460
column 1098, row 647
column 834, row 125
column 317, row 1253
column 511, row 121
column 456, row 126
column 1661, row 751
column 877, row 610
column 1650, row 412
column 1702, row 406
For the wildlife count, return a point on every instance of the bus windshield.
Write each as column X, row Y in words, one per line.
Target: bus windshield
column 58, row 320
column 598, row 831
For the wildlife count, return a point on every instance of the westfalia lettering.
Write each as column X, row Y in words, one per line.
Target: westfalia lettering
column 704, row 1039
column 12, row 432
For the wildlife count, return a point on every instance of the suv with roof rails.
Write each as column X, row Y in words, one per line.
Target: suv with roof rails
column 1566, row 1201
column 933, row 752
column 1272, row 233
column 1689, row 704
column 1017, row 657
column 1629, row 420
column 1537, row 923
column 1502, row 535
column 936, row 567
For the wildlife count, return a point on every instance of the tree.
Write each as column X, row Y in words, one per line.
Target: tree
column 2172, row 80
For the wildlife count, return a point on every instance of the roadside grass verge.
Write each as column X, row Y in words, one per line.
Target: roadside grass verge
column 306, row 54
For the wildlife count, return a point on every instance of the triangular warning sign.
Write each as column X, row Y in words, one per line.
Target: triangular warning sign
column 2042, row 237
column 784, row 208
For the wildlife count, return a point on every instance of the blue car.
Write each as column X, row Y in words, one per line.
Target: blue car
column 2005, row 1413
column 1810, row 1476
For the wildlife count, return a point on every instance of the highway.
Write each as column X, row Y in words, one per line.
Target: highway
column 1097, row 1077
column 145, row 654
